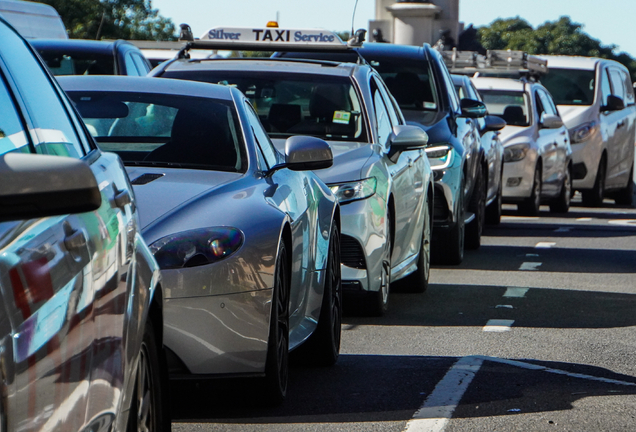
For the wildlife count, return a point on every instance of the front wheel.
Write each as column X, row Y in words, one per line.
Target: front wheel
column 417, row 282
column 277, row 363
column 448, row 248
column 625, row 196
column 531, row 205
column 562, row 203
column 493, row 211
column 594, row 197
column 323, row 346
column 478, row 206
column 146, row 411
column 378, row 301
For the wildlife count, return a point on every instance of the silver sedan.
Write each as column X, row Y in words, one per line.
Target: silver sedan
column 247, row 238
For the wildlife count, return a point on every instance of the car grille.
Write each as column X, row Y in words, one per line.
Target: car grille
column 351, row 253
column 579, row 171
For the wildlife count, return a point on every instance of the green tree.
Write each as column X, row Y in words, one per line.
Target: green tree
column 113, row 19
column 562, row 37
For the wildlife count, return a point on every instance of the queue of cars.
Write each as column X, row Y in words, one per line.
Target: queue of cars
column 267, row 194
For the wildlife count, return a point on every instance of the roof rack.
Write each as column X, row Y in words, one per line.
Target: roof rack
column 495, row 63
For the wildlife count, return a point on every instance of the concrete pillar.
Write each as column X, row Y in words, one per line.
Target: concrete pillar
column 413, row 23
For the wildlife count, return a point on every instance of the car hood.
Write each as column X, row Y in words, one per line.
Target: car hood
column 349, row 160
column 158, row 196
column 574, row 115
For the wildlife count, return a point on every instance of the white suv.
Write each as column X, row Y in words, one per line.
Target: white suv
column 596, row 101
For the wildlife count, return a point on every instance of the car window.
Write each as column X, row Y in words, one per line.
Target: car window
column 395, row 120
column 48, row 116
column 460, row 92
column 512, row 106
column 606, row 90
column 131, row 68
column 546, row 102
column 12, row 135
column 452, row 93
column 570, row 86
column 60, row 62
column 149, row 129
column 289, row 104
column 267, row 148
column 618, row 87
column 142, row 66
column 629, row 89
column 383, row 122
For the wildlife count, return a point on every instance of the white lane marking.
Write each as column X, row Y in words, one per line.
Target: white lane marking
column 544, row 245
column 504, row 307
column 627, row 222
column 438, row 408
column 530, row 266
column 515, row 292
column 583, row 219
column 563, row 229
column 532, row 255
column 520, row 217
column 498, row 325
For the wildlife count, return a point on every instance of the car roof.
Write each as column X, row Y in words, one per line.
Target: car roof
column 266, row 65
column 119, row 83
column 571, row 62
column 79, row 45
column 500, row 84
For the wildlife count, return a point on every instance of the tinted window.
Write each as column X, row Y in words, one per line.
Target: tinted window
column 71, row 63
column 165, row 130
column 605, row 87
column 512, row 106
column 12, row 136
column 54, row 131
column 382, row 118
column 296, row 104
column 547, row 104
column 409, row 81
column 618, row 86
column 142, row 66
column 266, row 147
column 570, row 86
column 131, row 68
column 452, row 94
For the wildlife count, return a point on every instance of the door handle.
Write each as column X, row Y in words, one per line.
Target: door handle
column 74, row 241
column 122, row 198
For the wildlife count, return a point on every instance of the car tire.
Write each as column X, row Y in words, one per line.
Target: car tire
column 594, row 197
column 562, row 203
column 417, row 282
column 448, row 248
column 478, row 207
column 493, row 211
column 323, row 346
column 277, row 363
column 147, row 410
column 531, row 205
column 378, row 301
column 625, row 196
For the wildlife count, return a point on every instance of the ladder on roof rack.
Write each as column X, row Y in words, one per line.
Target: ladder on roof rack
column 495, row 62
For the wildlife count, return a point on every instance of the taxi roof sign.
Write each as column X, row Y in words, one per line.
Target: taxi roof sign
column 270, row 39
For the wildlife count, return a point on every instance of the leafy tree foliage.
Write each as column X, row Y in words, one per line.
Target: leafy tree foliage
column 562, row 37
column 113, row 19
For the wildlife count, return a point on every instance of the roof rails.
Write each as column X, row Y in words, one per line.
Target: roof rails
column 495, row 63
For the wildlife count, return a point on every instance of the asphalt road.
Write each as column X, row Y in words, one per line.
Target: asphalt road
column 536, row 331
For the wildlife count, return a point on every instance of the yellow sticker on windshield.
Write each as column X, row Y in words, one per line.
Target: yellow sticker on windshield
column 342, row 117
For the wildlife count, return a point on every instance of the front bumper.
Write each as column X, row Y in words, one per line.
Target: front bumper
column 518, row 178
column 448, row 186
column 585, row 160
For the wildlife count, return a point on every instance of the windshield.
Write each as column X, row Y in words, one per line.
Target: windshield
column 61, row 63
column 410, row 82
column 164, row 130
column 296, row 104
column 570, row 86
column 512, row 106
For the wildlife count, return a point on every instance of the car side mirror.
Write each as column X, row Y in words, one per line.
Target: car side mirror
column 35, row 185
column 551, row 121
column 472, row 108
column 493, row 123
column 303, row 153
column 614, row 103
column 405, row 137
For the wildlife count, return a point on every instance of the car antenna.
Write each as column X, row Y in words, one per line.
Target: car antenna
column 353, row 17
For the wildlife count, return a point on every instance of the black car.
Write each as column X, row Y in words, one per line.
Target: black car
column 91, row 57
column 421, row 84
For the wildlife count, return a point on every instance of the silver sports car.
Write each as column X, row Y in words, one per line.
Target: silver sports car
column 247, row 238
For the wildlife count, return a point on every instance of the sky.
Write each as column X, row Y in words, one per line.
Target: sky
column 610, row 21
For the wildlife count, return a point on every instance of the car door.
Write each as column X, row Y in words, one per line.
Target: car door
column 411, row 189
column 609, row 124
column 66, row 269
column 618, row 159
column 547, row 142
column 291, row 193
column 562, row 139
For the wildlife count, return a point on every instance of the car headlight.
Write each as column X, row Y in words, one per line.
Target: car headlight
column 353, row 191
column 516, row 152
column 583, row 132
column 196, row 247
column 439, row 156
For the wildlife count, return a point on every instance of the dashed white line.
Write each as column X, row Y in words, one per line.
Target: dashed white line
column 498, row 325
column 583, row 219
column 504, row 307
column 438, row 408
column 544, row 245
column 515, row 292
column 530, row 266
column 563, row 229
column 627, row 222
